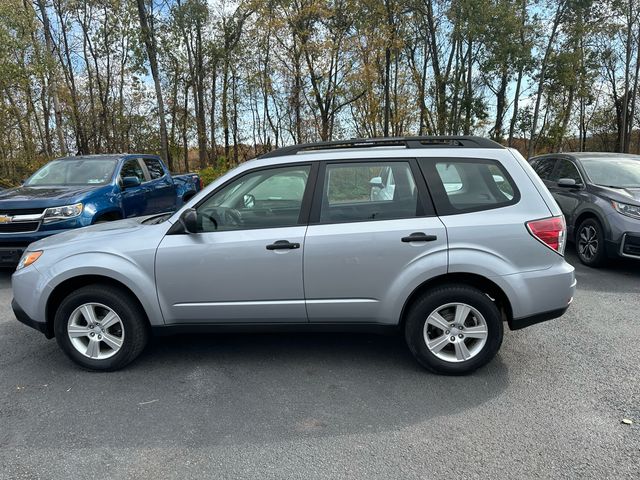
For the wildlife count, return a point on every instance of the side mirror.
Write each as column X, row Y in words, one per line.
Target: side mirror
column 249, row 201
column 567, row 183
column 376, row 182
column 189, row 220
column 187, row 223
column 129, row 182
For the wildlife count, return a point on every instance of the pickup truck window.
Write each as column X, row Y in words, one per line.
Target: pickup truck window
column 76, row 171
column 132, row 168
column 154, row 167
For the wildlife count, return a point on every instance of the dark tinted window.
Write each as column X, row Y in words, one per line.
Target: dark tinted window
column 468, row 185
column 566, row 169
column 355, row 192
column 132, row 168
column 154, row 167
column 544, row 167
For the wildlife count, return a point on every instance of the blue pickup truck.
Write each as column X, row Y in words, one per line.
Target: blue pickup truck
column 74, row 192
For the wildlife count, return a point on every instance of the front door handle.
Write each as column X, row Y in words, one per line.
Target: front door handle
column 283, row 245
column 419, row 237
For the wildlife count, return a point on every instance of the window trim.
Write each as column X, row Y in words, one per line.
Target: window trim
column 307, row 196
column 440, row 197
column 424, row 208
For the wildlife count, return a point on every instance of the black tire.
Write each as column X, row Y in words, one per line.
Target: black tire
column 134, row 322
column 438, row 297
column 588, row 232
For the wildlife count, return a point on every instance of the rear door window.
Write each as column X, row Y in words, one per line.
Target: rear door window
column 468, row 185
column 154, row 167
column 365, row 191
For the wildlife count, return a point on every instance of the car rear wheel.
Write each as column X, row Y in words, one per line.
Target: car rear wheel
column 454, row 330
column 590, row 243
column 101, row 327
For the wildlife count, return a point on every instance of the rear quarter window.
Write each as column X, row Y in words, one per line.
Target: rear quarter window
column 468, row 185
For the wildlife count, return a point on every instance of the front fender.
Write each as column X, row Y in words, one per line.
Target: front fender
column 137, row 275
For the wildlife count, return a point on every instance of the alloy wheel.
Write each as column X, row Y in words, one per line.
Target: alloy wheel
column 588, row 242
column 455, row 332
column 95, row 331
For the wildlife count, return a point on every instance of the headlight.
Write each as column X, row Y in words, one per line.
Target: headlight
column 626, row 209
column 54, row 214
column 28, row 258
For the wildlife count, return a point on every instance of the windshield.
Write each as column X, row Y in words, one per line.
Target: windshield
column 77, row 171
column 617, row 172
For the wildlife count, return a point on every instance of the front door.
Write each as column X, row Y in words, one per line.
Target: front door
column 362, row 242
column 245, row 263
column 134, row 199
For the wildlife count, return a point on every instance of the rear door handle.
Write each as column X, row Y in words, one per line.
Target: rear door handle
column 283, row 245
column 419, row 237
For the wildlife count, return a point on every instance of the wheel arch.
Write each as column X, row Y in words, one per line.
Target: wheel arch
column 585, row 214
column 62, row 290
column 490, row 288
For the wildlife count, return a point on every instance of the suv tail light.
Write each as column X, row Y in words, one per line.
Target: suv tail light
column 550, row 231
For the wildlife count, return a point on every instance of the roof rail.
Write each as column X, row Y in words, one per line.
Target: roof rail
column 436, row 141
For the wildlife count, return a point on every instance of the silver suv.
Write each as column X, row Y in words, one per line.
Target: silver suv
column 309, row 236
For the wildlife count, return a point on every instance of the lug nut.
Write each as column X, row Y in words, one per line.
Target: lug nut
column 461, row 336
column 453, row 339
column 90, row 326
column 461, row 327
column 91, row 334
column 447, row 332
column 100, row 337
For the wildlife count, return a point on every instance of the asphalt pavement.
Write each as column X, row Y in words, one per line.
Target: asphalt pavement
column 307, row 406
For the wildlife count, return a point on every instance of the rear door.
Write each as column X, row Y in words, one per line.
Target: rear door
column 161, row 190
column 359, row 243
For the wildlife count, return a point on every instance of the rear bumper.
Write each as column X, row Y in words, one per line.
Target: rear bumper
column 22, row 317
column 540, row 295
column 518, row 323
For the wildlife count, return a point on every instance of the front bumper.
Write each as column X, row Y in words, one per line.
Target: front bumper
column 13, row 245
column 22, row 317
column 10, row 255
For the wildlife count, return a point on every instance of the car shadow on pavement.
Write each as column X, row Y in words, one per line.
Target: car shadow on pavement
column 248, row 388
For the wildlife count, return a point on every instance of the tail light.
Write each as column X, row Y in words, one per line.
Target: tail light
column 551, row 231
column 200, row 183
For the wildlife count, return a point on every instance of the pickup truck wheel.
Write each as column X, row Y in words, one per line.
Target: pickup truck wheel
column 101, row 327
column 453, row 330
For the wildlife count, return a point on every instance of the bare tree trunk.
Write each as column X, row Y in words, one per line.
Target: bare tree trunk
column 150, row 44
column 543, row 71
column 53, row 85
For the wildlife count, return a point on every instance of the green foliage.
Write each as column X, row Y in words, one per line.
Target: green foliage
column 209, row 174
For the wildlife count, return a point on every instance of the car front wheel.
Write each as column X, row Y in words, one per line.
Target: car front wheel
column 101, row 327
column 590, row 243
column 454, row 330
